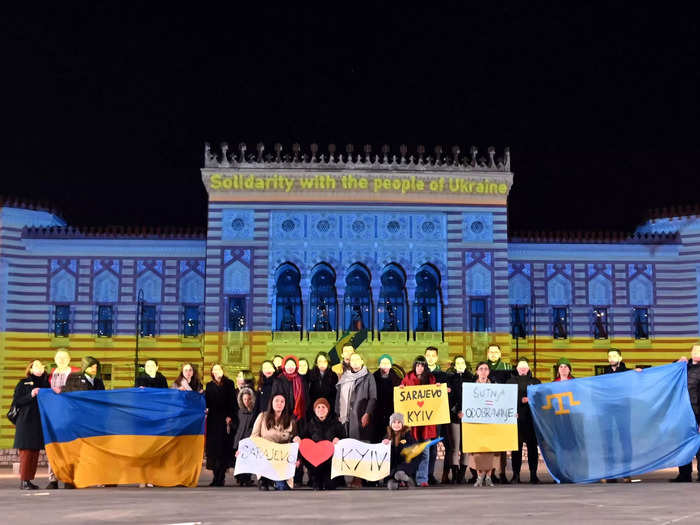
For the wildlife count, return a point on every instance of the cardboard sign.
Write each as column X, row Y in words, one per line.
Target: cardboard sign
column 422, row 405
column 276, row 461
column 361, row 460
column 485, row 437
column 489, row 403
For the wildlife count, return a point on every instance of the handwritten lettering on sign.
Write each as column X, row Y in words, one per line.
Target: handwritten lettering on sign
column 423, row 404
column 489, row 403
column 264, row 458
column 361, row 460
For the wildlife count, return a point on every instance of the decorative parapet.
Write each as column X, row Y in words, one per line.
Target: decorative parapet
column 601, row 237
column 114, row 232
column 278, row 158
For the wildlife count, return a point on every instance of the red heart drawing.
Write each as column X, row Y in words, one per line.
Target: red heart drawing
column 420, row 404
column 316, row 453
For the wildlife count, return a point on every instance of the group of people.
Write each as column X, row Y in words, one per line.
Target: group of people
column 293, row 400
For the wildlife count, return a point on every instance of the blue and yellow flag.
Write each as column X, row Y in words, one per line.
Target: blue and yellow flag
column 615, row 425
column 134, row 435
column 413, row 451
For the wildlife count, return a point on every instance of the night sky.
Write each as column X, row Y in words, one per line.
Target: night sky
column 107, row 105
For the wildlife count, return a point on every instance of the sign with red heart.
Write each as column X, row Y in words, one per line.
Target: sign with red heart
column 420, row 404
column 316, row 452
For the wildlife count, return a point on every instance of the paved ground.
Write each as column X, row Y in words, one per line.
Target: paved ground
column 653, row 500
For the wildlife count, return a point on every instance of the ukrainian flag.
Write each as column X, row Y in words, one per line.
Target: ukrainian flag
column 133, row 435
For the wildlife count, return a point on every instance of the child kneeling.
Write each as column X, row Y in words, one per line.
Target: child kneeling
column 399, row 436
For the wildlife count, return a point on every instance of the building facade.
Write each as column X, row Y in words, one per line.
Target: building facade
column 305, row 251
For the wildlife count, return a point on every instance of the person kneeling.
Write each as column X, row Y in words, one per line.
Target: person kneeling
column 322, row 426
column 399, row 436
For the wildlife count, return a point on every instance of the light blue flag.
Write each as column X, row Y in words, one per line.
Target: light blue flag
column 615, row 425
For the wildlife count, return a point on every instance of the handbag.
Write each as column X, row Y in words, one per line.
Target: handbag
column 13, row 413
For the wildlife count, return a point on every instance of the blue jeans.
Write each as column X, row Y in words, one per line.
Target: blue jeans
column 423, row 467
column 281, row 485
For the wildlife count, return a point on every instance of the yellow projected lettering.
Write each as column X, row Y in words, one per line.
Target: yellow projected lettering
column 559, row 398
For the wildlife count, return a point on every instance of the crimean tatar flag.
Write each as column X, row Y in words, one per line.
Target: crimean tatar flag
column 133, row 435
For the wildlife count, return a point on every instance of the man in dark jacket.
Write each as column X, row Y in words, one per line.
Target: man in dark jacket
column 615, row 362
column 526, row 428
column 386, row 379
column 685, row 472
column 87, row 380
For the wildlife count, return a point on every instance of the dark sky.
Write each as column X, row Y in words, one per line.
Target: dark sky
column 106, row 105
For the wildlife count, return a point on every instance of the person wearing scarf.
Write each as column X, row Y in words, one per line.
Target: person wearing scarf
column 291, row 385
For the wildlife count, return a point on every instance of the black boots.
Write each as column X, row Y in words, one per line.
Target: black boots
column 52, row 485
column 455, row 474
column 27, row 485
column 219, row 478
column 461, row 476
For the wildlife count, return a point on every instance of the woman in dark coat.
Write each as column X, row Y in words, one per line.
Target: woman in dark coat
column 386, row 379
column 221, row 428
column 321, row 381
column 456, row 376
column 88, row 379
column 266, row 380
column 323, row 425
column 29, row 439
column 151, row 378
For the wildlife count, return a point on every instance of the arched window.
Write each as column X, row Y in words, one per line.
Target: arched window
column 392, row 299
column 323, row 299
column 358, row 299
column 427, row 304
column 287, row 299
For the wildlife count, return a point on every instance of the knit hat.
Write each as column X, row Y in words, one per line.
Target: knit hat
column 322, row 401
column 396, row 416
column 564, row 361
column 385, row 356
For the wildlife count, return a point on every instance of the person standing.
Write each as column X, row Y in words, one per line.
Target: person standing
column 457, row 375
column 29, row 439
column 188, row 380
column 431, row 356
column 685, row 472
column 266, row 380
column 526, row 427
column 356, row 397
column 244, row 427
column 290, row 384
column 221, row 427
column 420, row 375
column 322, row 381
column 386, row 379
column 483, row 462
column 151, row 378
column 563, row 370
column 89, row 379
column 58, row 378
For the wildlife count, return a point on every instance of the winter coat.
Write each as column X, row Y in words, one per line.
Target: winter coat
column 79, row 382
column 621, row 367
column 694, row 388
column 454, row 382
column 398, row 461
column 385, row 402
column 501, row 371
column 276, row 433
column 525, row 424
column 28, row 433
column 219, row 436
column 326, row 430
column 264, row 395
column 321, row 385
column 284, row 386
column 363, row 399
column 151, row 382
column 428, row 431
column 246, row 418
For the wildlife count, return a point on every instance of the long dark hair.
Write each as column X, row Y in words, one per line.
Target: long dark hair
column 395, row 437
column 195, row 384
column 425, row 376
column 285, row 418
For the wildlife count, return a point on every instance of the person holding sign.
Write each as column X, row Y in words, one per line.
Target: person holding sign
column 526, row 428
column 400, row 438
column 355, row 399
column 276, row 424
column 322, row 426
column 483, row 461
column 420, row 375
